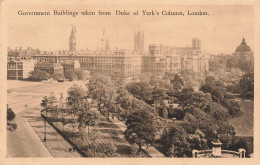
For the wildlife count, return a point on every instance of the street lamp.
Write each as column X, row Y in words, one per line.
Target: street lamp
column 45, row 137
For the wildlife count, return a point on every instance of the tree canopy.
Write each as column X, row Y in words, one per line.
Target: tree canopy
column 142, row 127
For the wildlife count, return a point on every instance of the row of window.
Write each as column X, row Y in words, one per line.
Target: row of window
column 109, row 66
column 14, row 73
column 13, row 66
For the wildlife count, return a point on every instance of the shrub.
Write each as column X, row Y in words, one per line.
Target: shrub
column 57, row 76
column 178, row 113
column 163, row 112
column 38, row 75
column 241, row 143
column 232, row 106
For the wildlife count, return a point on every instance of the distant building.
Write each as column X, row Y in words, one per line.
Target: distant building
column 49, row 67
column 139, row 43
column 70, row 66
column 244, row 51
column 158, row 60
column 20, row 53
column 19, row 69
column 162, row 59
column 245, row 54
column 242, row 58
column 218, row 62
column 155, row 61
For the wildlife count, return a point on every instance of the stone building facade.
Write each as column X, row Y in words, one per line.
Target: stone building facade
column 242, row 58
column 158, row 60
column 50, row 68
column 19, row 69
column 162, row 59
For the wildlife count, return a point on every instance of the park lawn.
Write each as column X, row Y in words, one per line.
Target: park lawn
column 244, row 123
column 106, row 133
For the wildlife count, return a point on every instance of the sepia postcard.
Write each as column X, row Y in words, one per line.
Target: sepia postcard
column 129, row 82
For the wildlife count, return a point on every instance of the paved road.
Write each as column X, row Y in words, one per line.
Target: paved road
column 55, row 143
column 25, row 142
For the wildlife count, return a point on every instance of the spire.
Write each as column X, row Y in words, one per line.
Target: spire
column 72, row 40
column 243, row 40
column 73, row 30
column 107, row 46
column 139, row 42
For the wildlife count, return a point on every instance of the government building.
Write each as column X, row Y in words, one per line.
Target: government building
column 242, row 58
column 158, row 60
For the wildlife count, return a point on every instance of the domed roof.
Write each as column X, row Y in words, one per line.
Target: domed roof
column 243, row 47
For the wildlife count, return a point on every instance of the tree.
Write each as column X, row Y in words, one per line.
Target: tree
column 38, row 75
column 246, row 85
column 142, row 127
column 102, row 89
column 198, row 141
column 177, row 82
column 110, row 150
column 189, row 98
column 234, row 73
column 57, row 76
column 241, row 143
column 163, row 112
column 71, row 75
column 118, row 78
column 191, row 79
column 11, row 126
column 88, row 118
column 233, row 107
column 10, row 114
column 208, row 122
column 245, row 65
column 159, row 93
column 124, row 98
column 217, row 111
column 77, row 99
column 47, row 103
column 177, row 112
column 175, row 142
column 219, row 95
column 81, row 74
column 140, row 90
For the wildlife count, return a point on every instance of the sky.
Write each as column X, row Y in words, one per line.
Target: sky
column 220, row 32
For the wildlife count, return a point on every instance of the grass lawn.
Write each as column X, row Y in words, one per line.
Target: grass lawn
column 244, row 123
column 105, row 134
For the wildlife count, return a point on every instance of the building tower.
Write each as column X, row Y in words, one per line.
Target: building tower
column 107, row 46
column 139, row 42
column 72, row 41
column 196, row 43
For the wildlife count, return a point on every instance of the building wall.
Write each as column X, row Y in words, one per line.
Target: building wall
column 50, row 67
column 19, row 69
column 160, row 59
column 28, row 66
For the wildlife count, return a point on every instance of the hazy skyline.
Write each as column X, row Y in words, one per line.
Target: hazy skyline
column 220, row 32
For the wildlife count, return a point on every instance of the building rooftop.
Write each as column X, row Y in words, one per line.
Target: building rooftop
column 243, row 47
